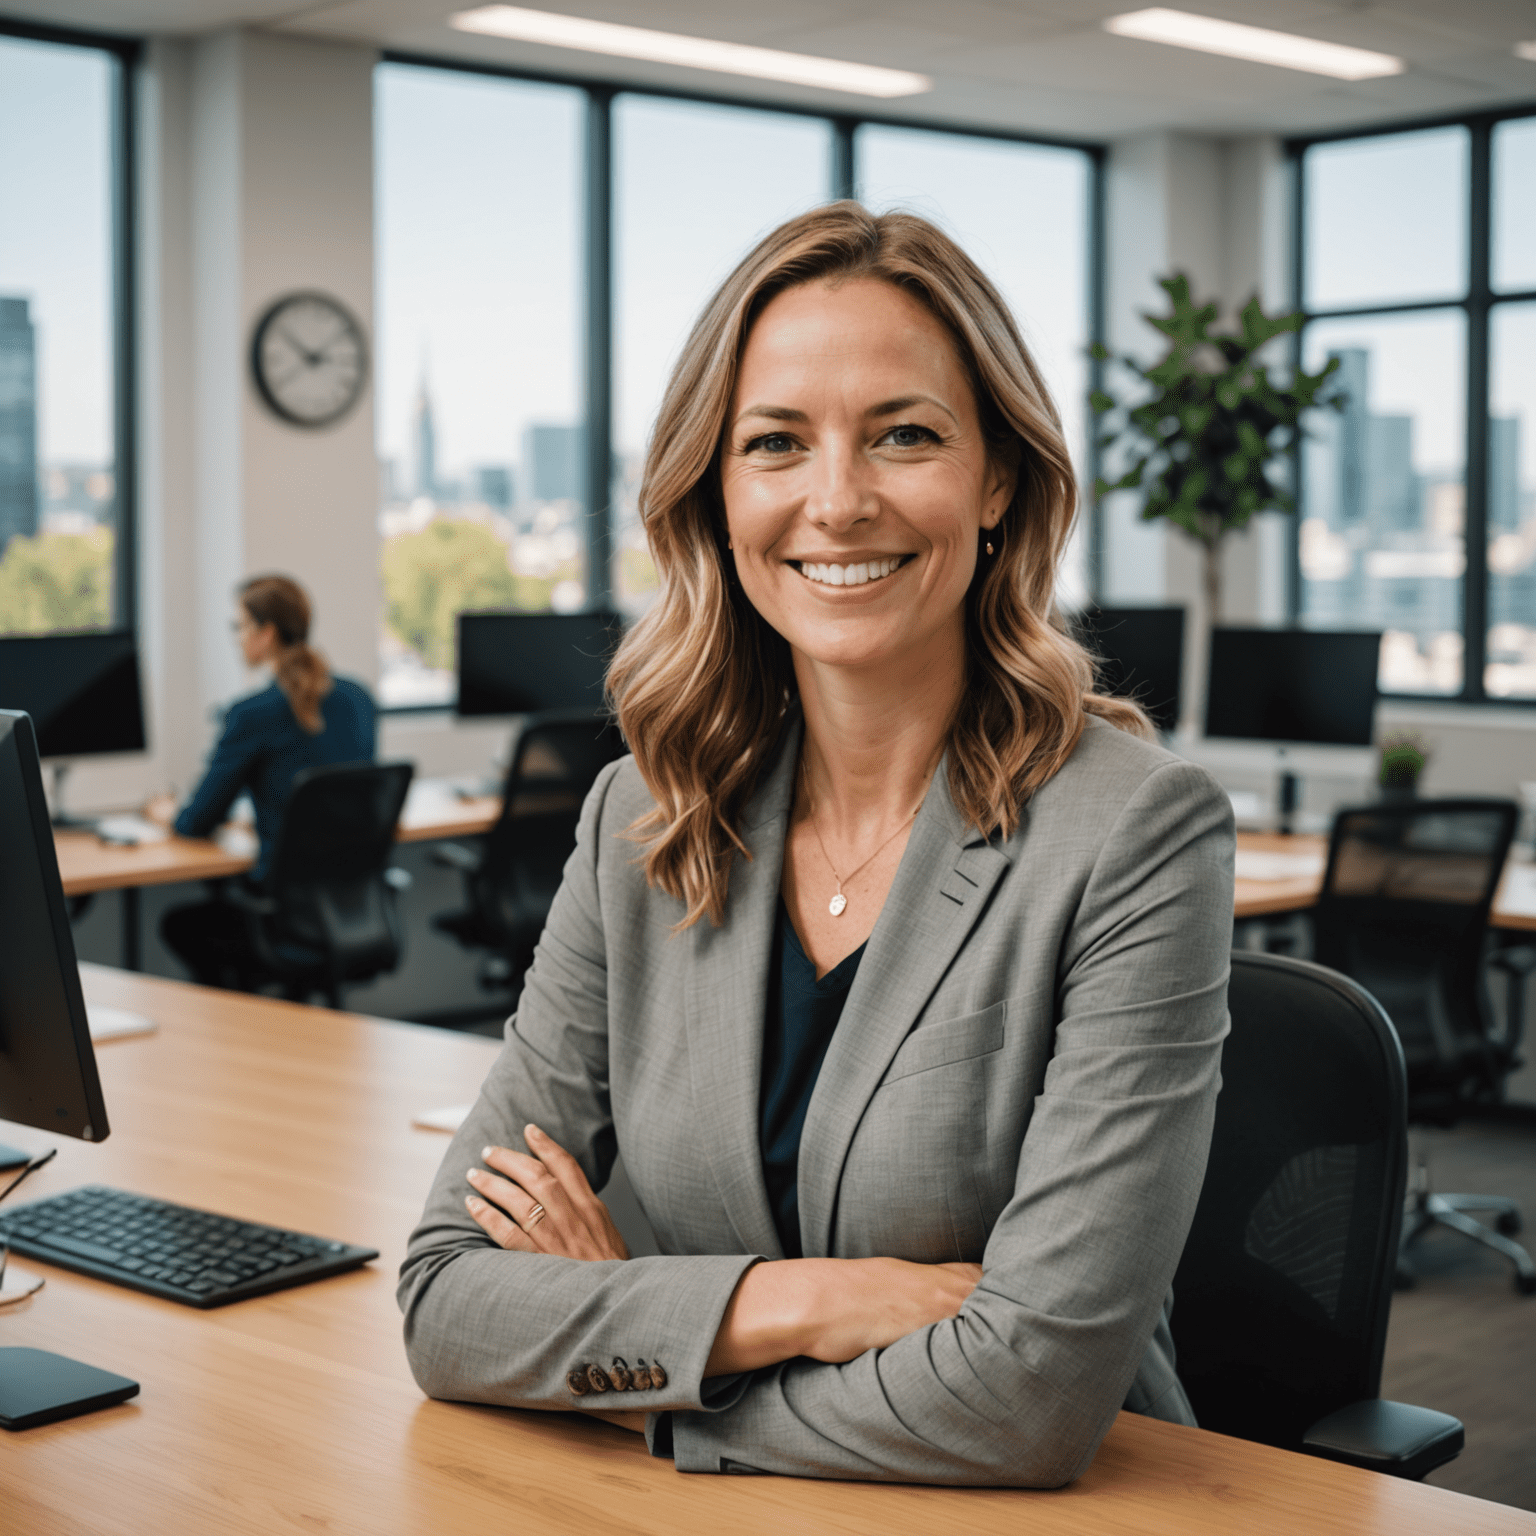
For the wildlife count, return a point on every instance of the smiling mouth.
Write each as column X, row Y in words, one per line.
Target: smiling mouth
column 858, row 574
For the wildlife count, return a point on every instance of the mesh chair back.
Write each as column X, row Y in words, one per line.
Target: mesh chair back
column 1282, row 1295
column 327, row 872
column 1404, row 911
column 558, row 757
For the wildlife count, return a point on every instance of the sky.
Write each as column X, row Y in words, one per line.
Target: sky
column 55, row 233
column 479, row 253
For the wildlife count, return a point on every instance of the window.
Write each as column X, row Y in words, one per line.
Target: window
column 478, row 318
column 1021, row 212
column 685, row 213
column 490, row 275
column 65, row 484
column 1417, row 273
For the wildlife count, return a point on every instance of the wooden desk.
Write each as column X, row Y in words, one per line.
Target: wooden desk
column 296, row 1413
column 88, row 866
column 1514, row 905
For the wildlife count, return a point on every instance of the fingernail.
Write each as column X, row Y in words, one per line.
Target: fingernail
column 474, row 1175
column 474, row 1202
column 485, row 1153
column 532, row 1130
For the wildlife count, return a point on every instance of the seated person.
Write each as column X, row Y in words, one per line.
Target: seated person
column 304, row 718
column 895, row 959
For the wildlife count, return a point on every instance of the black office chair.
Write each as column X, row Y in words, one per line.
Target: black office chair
column 1282, row 1296
column 325, row 914
column 1404, row 911
column 511, row 881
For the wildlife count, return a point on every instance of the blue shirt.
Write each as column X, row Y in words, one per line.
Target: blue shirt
column 262, row 749
column 802, row 1017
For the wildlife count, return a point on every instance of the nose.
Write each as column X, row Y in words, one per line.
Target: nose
column 841, row 495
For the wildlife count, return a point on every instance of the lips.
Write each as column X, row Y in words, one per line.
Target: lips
column 857, row 573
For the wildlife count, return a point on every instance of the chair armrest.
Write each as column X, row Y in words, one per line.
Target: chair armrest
column 1395, row 1438
column 398, row 879
column 456, row 856
column 242, row 896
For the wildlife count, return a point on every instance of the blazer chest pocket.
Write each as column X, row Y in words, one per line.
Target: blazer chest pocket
column 942, row 1044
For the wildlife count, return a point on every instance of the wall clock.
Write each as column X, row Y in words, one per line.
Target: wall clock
column 309, row 358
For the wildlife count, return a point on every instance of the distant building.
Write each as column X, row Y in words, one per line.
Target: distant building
column 552, row 463
column 1503, row 474
column 493, row 485
column 18, row 421
column 424, row 433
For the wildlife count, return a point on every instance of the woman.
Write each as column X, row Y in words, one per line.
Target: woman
column 888, row 956
column 304, row 718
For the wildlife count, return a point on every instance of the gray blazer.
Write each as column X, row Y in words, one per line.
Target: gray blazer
column 1024, row 1074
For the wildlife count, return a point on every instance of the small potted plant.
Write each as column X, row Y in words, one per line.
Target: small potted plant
column 1403, row 758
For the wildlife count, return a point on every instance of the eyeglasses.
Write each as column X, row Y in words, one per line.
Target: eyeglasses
column 10, row 1298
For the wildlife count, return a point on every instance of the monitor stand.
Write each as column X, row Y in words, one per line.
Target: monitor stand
column 61, row 818
column 1287, row 797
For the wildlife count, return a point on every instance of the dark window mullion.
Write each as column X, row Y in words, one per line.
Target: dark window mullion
column 125, row 351
column 1475, row 529
column 845, row 172
column 598, row 436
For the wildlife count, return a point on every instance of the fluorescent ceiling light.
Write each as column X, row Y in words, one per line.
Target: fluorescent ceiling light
column 1526, row 51
column 694, row 52
column 1236, row 41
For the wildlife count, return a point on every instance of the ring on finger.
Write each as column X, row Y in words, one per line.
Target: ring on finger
column 533, row 1218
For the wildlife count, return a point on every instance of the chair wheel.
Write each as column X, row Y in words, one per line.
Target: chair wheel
column 1526, row 1284
column 1403, row 1277
column 1509, row 1223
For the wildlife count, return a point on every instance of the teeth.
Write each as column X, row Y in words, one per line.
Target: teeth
column 850, row 575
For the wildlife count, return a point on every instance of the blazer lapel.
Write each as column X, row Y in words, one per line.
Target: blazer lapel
column 726, row 993
column 940, row 891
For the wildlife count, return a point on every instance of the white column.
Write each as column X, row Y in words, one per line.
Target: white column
column 1215, row 210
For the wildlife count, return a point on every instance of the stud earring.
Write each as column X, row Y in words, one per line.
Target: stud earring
column 989, row 546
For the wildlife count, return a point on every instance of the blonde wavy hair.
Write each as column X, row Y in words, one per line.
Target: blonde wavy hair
column 701, row 684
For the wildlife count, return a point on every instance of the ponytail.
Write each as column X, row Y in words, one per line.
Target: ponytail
column 299, row 670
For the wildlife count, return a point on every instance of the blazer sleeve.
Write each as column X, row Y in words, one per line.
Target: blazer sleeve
column 1021, row 1386
column 486, row 1325
column 229, row 771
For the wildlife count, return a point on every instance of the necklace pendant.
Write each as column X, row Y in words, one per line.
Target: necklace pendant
column 837, row 905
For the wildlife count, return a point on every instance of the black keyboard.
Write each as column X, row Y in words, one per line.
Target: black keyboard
column 170, row 1250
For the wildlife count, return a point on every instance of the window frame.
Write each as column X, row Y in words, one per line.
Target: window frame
column 1477, row 303
column 126, row 53
column 597, row 200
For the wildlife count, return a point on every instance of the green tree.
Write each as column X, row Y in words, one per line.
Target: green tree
column 431, row 576
column 56, row 581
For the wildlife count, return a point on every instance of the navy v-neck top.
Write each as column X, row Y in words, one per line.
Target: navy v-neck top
column 801, row 1018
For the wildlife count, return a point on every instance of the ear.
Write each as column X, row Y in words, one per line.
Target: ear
column 1002, row 482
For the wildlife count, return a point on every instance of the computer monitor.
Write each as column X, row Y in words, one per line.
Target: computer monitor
column 82, row 691
column 1293, row 685
column 516, row 663
column 1140, row 654
column 47, row 1067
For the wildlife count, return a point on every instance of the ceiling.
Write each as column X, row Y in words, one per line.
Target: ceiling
column 1044, row 66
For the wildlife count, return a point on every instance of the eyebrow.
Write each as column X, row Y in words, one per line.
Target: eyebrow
column 885, row 408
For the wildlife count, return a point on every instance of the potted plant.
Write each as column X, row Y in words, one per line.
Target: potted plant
column 1402, row 759
column 1206, row 436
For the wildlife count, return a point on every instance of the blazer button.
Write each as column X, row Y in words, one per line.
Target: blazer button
column 658, row 1375
column 619, row 1374
column 598, row 1380
column 577, row 1381
column 642, row 1375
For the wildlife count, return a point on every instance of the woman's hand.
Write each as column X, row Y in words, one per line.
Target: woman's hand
column 542, row 1203
column 833, row 1309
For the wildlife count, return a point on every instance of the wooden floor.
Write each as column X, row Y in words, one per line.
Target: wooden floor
column 1464, row 1341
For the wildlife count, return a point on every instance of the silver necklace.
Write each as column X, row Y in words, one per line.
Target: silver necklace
column 839, row 903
